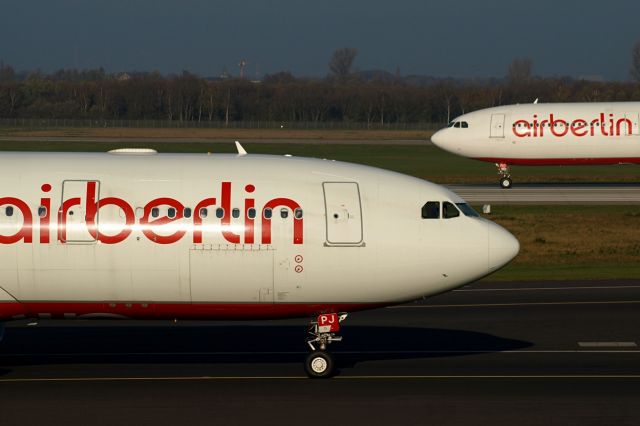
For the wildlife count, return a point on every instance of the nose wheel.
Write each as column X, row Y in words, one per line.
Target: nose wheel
column 319, row 365
column 505, row 182
column 505, row 175
column 322, row 332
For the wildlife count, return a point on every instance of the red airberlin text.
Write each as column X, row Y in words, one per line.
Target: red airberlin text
column 156, row 227
column 601, row 126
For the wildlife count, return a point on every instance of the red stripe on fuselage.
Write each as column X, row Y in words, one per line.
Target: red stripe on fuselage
column 563, row 161
column 137, row 310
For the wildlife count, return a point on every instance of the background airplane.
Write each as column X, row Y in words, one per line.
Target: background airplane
column 546, row 134
column 136, row 234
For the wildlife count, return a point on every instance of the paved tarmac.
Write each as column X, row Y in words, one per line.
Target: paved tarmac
column 552, row 193
column 524, row 353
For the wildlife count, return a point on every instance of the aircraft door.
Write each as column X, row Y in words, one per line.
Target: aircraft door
column 73, row 216
column 343, row 213
column 497, row 126
column 635, row 127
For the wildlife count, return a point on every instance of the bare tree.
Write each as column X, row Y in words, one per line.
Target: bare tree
column 520, row 70
column 342, row 61
column 7, row 73
column 635, row 62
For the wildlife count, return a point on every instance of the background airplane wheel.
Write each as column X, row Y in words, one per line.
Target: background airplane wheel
column 319, row 365
column 505, row 183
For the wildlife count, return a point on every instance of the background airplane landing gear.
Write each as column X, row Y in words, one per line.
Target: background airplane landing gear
column 505, row 175
column 319, row 364
column 505, row 182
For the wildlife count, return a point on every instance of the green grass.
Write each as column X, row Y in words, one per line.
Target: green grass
column 606, row 271
column 425, row 161
column 572, row 242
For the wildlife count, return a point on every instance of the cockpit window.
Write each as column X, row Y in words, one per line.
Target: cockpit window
column 449, row 210
column 467, row 210
column 459, row 124
column 431, row 210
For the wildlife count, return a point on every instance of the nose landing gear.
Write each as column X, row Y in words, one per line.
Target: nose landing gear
column 322, row 332
column 505, row 175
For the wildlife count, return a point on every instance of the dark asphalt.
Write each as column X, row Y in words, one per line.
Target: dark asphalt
column 492, row 353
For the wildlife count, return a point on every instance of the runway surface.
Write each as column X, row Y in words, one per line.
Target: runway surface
column 577, row 193
column 507, row 353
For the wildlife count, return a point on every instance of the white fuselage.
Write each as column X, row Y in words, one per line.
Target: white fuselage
column 225, row 236
column 547, row 134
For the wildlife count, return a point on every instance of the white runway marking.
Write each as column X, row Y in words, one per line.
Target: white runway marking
column 607, row 344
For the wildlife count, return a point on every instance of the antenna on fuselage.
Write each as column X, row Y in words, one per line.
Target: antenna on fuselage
column 536, row 101
column 241, row 150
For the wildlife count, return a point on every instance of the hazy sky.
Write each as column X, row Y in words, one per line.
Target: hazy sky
column 462, row 38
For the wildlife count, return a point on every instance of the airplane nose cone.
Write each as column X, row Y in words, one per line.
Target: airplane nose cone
column 503, row 247
column 436, row 138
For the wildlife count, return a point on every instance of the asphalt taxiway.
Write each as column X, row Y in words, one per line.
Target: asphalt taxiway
column 519, row 353
column 552, row 193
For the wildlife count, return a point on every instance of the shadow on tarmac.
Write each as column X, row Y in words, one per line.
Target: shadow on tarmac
column 180, row 344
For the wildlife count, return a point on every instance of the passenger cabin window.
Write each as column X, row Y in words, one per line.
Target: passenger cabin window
column 155, row 212
column 297, row 213
column 268, row 213
column 187, row 212
column 235, row 213
column 203, row 212
column 449, row 211
column 219, row 212
column 42, row 211
column 284, row 213
column 171, row 212
column 8, row 211
column 431, row 210
column 251, row 213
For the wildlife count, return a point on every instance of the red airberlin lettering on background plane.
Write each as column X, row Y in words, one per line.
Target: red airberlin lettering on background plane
column 156, row 229
column 551, row 126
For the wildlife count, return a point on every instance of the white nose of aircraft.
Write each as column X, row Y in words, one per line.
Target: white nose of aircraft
column 502, row 246
column 439, row 139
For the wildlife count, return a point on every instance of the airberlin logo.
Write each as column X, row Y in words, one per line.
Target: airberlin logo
column 601, row 126
column 159, row 228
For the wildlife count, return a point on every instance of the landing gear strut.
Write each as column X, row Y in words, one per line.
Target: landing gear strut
column 505, row 175
column 322, row 332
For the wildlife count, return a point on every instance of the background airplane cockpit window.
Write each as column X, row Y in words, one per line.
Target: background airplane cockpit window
column 449, row 211
column 431, row 210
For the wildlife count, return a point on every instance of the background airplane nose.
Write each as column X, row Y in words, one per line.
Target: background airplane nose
column 436, row 138
column 503, row 247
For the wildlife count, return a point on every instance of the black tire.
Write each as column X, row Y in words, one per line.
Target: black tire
column 319, row 365
column 505, row 183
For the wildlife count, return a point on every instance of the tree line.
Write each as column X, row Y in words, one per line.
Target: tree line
column 352, row 97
